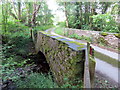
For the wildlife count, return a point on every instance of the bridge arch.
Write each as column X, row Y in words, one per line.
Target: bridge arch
column 42, row 62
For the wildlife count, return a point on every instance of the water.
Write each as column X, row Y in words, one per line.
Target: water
column 107, row 69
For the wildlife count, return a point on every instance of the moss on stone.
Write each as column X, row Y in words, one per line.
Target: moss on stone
column 117, row 35
column 79, row 48
column 77, row 43
column 59, row 38
column 43, row 32
column 104, row 33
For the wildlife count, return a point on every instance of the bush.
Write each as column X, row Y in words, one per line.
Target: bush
column 42, row 28
column 104, row 22
column 85, row 27
column 76, row 83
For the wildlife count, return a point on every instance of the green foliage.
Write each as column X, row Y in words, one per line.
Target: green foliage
column 8, row 68
column 104, row 33
column 85, row 27
column 44, row 16
column 14, row 46
column 36, row 80
column 17, row 28
column 76, row 83
column 104, row 22
column 10, row 62
column 42, row 28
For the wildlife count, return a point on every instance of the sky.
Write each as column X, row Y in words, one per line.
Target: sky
column 58, row 14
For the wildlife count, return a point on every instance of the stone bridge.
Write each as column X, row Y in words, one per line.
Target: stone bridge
column 66, row 58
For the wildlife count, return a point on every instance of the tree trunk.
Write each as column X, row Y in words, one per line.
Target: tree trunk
column 4, row 16
column 14, row 7
column 105, row 6
column 81, row 19
column 66, row 14
column 92, row 13
column 19, row 10
column 36, row 9
column 77, row 15
column 30, row 10
column 86, row 13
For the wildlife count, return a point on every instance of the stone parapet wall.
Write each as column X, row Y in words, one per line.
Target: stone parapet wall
column 65, row 62
column 66, row 58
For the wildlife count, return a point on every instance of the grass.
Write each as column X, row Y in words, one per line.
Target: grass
column 107, row 59
column 59, row 30
column 42, row 28
column 76, row 36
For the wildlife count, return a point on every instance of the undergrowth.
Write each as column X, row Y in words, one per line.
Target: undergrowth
column 37, row 80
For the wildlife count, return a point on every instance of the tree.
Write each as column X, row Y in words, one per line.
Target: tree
column 35, row 11
column 66, row 14
column 19, row 10
column 105, row 6
column 4, row 15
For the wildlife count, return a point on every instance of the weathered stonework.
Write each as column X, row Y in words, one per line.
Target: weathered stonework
column 65, row 59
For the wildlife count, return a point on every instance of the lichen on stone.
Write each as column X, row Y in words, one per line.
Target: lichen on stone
column 59, row 38
column 80, row 47
column 104, row 33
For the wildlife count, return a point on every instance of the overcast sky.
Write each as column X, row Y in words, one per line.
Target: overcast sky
column 58, row 14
